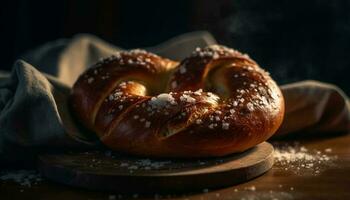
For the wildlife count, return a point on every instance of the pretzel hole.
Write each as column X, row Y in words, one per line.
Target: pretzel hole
column 215, row 79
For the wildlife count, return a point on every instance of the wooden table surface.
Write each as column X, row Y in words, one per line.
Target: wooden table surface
column 283, row 181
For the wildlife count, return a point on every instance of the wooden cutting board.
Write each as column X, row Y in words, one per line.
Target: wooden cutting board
column 107, row 171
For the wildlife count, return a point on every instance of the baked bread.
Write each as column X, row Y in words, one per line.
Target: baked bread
column 215, row 102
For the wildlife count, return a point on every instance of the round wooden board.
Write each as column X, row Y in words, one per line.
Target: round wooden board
column 120, row 173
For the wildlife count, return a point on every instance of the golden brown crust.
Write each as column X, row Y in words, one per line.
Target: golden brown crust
column 215, row 102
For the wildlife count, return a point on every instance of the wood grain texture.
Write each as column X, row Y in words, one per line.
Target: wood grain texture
column 332, row 183
column 117, row 173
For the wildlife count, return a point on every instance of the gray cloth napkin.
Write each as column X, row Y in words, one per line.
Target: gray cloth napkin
column 35, row 117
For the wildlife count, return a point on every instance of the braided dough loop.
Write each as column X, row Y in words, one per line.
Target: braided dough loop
column 216, row 102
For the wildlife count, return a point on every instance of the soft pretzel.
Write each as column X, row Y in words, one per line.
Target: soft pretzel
column 215, row 102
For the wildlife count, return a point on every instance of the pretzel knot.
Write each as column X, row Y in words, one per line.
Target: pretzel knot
column 215, row 102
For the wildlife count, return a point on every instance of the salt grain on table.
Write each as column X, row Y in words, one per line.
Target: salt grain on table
column 24, row 178
column 301, row 160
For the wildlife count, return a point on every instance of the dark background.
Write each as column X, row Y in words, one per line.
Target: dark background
column 294, row 40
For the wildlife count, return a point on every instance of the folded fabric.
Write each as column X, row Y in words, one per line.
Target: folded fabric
column 34, row 109
column 314, row 107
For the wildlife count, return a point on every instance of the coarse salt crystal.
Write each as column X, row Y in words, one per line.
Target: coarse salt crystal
column 198, row 92
column 162, row 100
column 182, row 69
column 90, row 80
column 250, row 106
column 211, row 126
column 225, row 126
column 187, row 98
